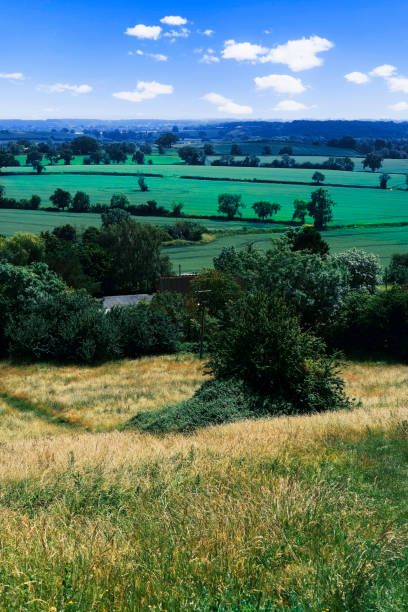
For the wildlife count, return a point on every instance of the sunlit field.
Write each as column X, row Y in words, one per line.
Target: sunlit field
column 300, row 513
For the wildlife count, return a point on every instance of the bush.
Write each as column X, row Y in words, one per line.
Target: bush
column 143, row 331
column 66, row 327
column 186, row 230
column 215, row 402
column 262, row 343
column 372, row 325
column 363, row 268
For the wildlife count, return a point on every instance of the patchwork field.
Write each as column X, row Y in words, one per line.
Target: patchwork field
column 199, row 197
column 301, row 513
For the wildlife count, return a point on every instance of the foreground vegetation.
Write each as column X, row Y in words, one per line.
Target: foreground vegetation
column 292, row 513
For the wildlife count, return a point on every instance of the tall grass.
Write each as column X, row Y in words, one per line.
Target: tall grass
column 301, row 513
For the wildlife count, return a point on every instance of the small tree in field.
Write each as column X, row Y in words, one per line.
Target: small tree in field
column 61, row 199
column 384, row 178
column 372, row 161
column 318, row 178
column 119, row 200
column 229, row 204
column 320, row 208
column 142, row 184
column 265, row 209
column 300, row 210
column 81, row 202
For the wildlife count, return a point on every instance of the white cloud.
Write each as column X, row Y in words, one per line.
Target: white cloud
column 398, row 83
column 144, row 91
column 225, row 105
column 384, row 71
column 399, row 106
column 206, row 32
column 242, row 51
column 144, row 31
column 75, row 90
column 289, row 105
column 357, row 77
column 174, row 20
column 299, row 54
column 181, row 33
column 13, row 76
column 281, row 83
column 209, row 59
column 159, row 57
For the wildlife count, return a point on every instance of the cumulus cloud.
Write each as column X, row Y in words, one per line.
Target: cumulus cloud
column 281, row 83
column 208, row 32
column 225, row 105
column 144, row 91
column 13, row 76
column 289, row 105
column 174, row 20
column 75, row 90
column 299, row 54
column 242, row 51
column 398, row 83
column 357, row 77
column 384, row 71
column 209, row 59
column 181, row 33
column 399, row 106
column 144, row 31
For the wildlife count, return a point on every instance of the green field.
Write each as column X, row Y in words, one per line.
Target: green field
column 12, row 221
column 381, row 241
column 170, row 157
column 353, row 205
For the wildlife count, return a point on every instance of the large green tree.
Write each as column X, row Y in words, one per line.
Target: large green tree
column 320, row 208
column 265, row 209
column 61, row 199
column 229, row 204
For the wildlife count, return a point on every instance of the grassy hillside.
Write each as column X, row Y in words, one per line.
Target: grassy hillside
column 304, row 513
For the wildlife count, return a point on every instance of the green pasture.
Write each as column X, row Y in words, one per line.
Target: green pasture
column 381, row 241
column 12, row 221
column 353, row 205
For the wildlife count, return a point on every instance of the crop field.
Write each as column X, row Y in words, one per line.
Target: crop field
column 383, row 242
column 12, row 221
column 353, row 205
column 290, row 513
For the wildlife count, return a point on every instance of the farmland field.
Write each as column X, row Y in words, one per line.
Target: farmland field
column 381, row 241
column 354, row 205
column 12, row 221
column 289, row 513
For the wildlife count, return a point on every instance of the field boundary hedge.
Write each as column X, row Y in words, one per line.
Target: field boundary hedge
column 255, row 180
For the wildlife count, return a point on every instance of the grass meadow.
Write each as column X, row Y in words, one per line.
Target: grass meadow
column 283, row 514
column 199, row 197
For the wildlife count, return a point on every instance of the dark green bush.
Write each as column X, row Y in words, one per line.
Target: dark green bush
column 143, row 331
column 66, row 327
column 372, row 325
column 215, row 402
column 262, row 342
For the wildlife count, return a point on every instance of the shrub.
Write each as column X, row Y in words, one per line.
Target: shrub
column 215, row 402
column 66, row 327
column 186, row 230
column 262, row 343
column 372, row 325
column 143, row 331
column 363, row 268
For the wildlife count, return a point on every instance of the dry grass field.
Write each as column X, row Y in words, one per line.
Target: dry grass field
column 289, row 514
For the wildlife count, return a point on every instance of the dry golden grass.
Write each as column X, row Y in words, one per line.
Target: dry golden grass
column 102, row 398
column 87, row 396
column 267, row 511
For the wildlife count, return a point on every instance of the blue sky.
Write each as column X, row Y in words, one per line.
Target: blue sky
column 282, row 59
